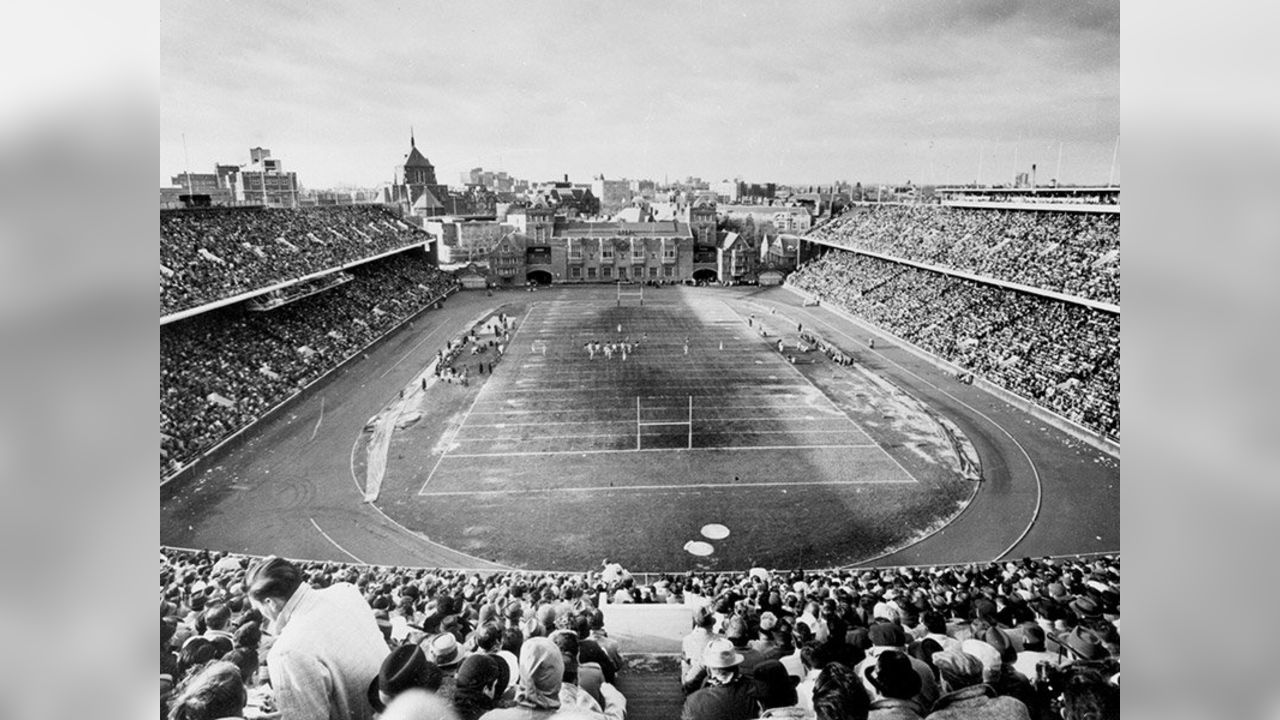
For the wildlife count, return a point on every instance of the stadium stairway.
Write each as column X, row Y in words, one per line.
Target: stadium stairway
column 651, row 684
column 650, row 637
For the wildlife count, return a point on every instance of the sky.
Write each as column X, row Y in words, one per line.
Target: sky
column 788, row 92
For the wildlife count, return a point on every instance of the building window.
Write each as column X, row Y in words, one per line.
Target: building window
column 575, row 272
column 667, row 271
column 669, row 253
column 653, row 272
column 606, row 253
column 591, row 273
column 606, row 271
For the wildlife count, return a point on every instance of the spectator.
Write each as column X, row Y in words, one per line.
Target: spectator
column 406, row 667
column 895, row 685
column 838, row 694
column 692, row 649
column 890, row 637
column 965, row 697
column 727, row 695
column 479, row 684
column 215, row 692
column 602, row 699
column 541, row 675
column 1090, row 696
column 326, row 647
column 776, row 691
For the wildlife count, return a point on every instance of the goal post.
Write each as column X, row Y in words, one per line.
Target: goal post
column 630, row 293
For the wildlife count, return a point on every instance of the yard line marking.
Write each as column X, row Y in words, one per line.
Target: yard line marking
column 699, row 486
column 618, row 452
column 335, row 542
column 576, row 436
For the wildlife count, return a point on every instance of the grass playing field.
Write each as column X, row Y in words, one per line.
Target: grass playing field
column 559, row 458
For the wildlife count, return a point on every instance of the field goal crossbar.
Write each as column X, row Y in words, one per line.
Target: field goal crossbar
column 688, row 423
column 632, row 292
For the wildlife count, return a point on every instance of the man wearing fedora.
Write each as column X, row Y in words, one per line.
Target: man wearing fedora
column 726, row 695
column 406, row 667
column 895, row 684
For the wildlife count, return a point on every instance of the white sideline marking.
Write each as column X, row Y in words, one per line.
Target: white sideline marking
column 318, row 420
column 335, row 542
column 412, row 350
column 703, row 486
column 510, row 344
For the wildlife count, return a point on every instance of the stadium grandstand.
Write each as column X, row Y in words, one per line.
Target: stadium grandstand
column 435, row 526
column 1027, row 299
column 254, row 317
column 1035, row 631
column 218, row 256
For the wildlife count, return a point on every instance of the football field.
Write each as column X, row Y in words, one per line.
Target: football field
column 692, row 416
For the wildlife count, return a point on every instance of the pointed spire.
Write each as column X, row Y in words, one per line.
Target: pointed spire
column 411, row 141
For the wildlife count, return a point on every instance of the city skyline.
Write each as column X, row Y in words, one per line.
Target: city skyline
column 795, row 94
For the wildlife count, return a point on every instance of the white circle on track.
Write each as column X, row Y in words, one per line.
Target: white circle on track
column 699, row 548
column 715, row 531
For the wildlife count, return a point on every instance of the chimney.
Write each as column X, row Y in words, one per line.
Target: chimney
column 566, row 177
column 1033, row 174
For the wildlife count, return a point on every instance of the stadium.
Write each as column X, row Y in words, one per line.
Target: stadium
column 926, row 406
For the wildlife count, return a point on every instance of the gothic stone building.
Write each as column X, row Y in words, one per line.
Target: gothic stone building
column 547, row 249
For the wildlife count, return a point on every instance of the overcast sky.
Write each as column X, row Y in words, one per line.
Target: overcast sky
column 789, row 92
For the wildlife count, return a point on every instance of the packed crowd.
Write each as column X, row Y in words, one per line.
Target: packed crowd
column 1068, row 252
column 1035, row 638
column 211, row 254
column 221, row 370
column 1063, row 356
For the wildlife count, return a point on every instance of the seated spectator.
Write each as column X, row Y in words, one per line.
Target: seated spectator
column 1088, row 695
column 214, row 692
column 541, row 675
column 965, row 697
column 895, row 684
column 726, row 694
column 838, row 694
column 478, row 686
column 406, row 667
column 776, row 691
column 890, row 637
column 600, row 699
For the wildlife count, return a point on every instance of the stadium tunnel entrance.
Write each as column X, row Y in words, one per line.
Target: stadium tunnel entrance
column 538, row 277
column 705, row 275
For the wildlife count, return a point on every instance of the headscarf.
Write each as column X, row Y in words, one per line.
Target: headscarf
column 541, row 673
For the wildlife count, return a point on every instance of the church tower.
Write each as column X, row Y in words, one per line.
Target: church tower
column 417, row 169
column 420, row 192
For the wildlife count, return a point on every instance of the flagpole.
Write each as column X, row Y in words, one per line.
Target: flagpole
column 1116, row 151
column 186, row 161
